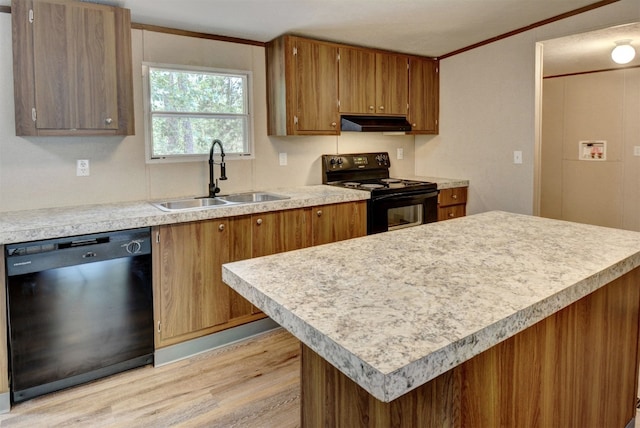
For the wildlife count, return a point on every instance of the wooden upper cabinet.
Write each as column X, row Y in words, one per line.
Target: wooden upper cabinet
column 72, row 68
column 372, row 83
column 392, row 83
column 357, row 80
column 302, row 87
column 310, row 83
column 424, row 95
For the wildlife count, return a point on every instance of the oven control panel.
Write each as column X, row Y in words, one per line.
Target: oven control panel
column 341, row 167
column 356, row 161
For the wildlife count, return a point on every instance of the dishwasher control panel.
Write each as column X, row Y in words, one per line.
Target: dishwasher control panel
column 36, row 256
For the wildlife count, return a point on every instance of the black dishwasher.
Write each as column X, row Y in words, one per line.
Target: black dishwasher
column 80, row 308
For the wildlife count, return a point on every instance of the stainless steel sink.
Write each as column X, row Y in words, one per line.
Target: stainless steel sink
column 250, row 197
column 191, row 204
column 219, row 201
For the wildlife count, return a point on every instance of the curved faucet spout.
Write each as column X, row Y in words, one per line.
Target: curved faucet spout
column 213, row 184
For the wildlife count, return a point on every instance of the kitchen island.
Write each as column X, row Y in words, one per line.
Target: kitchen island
column 495, row 319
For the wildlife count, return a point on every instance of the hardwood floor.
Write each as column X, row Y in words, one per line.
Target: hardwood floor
column 254, row 383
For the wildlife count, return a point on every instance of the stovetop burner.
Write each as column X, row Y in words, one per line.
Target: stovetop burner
column 370, row 172
column 381, row 184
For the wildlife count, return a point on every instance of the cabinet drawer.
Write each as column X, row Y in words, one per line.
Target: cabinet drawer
column 453, row 211
column 453, row 196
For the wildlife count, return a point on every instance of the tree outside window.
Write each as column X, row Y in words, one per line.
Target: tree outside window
column 189, row 108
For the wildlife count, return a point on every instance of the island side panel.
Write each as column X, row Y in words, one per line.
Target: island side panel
column 331, row 399
column 576, row 368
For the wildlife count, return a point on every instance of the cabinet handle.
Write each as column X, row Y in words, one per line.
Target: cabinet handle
column 454, row 196
column 371, row 107
column 414, row 124
column 451, row 215
column 319, row 213
column 381, row 108
column 334, row 124
column 108, row 121
column 221, row 227
column 259, row 221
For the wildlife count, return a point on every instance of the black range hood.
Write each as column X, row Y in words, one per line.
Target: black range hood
column 374, row 124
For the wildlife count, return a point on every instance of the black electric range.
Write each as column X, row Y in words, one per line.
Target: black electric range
column 395, row 203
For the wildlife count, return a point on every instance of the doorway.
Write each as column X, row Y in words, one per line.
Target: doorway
column 586, row 103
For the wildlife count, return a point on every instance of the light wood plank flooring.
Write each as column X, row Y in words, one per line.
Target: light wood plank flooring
column 254, row 383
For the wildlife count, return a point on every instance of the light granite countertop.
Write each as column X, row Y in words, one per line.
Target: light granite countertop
column 395, row 310
column 46, row 223
column 30, row 225
column 443, row 183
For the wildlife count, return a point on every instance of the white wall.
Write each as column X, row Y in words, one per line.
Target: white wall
column 487, row 111
column 39, row 172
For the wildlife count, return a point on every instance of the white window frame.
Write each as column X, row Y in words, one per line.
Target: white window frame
column 250, row 154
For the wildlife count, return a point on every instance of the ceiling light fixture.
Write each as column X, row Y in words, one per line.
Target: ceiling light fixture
column 623, row 53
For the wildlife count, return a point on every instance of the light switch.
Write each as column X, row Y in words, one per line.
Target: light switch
column 517, row 157
column 400, row 153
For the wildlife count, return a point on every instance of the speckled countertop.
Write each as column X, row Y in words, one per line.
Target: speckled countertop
column 46, row 223
column 443, row 183
column 30, row 225
column 394, row 310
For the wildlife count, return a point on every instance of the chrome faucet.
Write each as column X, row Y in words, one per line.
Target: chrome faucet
column 213, row 184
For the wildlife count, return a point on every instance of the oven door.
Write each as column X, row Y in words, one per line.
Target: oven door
column 400, row 210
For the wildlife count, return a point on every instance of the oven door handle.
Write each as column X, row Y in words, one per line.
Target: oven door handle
column 406, row 195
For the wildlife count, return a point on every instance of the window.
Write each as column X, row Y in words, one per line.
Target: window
column 187, row 108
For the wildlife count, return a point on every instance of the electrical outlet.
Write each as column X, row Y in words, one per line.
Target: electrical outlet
column 283, row 159
column 517, row 156
column 400, row 153
column 636, row 150
column 82, row 167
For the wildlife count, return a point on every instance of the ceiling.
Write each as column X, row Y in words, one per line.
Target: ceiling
column 588, row 51
column 423, row 27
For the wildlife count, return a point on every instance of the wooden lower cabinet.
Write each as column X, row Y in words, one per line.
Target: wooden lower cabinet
column 190, row 299
column 240, row 249
column 278, row 231
column 269, row 233
column 452, row 203
column 336, row 222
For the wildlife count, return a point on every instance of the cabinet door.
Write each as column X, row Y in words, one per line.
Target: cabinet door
column 337, row 222
column 278, row 231
column 423, row 95
column 357, row 81
column 192, row 296
column 392, row 82
column 75, row 66
column 316, row 80
column 239, row 249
